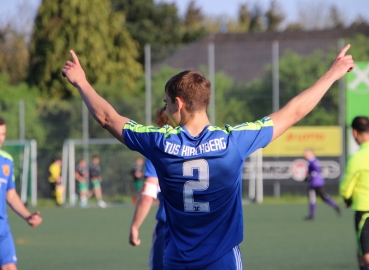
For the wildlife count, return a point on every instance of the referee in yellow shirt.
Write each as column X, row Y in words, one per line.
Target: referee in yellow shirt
column 355, row 187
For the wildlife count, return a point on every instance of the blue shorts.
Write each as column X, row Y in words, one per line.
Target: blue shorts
column 7, row 250
column 230, row 261
column 158, row 246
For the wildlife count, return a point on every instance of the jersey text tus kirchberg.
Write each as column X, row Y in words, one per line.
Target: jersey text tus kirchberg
column 185, row 151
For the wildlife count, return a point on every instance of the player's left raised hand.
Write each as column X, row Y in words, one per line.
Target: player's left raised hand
column 73, row 70
column 342, row 64
column 34, row 219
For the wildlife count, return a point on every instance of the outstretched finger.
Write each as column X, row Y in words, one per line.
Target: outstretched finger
column 344, row 50
column 75, row 58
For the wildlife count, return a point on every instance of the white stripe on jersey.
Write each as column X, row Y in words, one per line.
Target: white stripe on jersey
column 237, row 257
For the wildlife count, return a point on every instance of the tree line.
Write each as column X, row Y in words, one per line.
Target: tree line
column 109, row 36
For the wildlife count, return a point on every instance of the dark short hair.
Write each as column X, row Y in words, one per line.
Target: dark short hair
column 360, row 124
column 2, row 121
column 192, row 87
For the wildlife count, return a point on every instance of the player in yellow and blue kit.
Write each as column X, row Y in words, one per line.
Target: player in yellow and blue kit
column 354, row 187
column 199, row 166
column 8, row 194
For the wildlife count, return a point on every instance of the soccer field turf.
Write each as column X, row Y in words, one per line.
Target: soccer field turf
column 276, row 237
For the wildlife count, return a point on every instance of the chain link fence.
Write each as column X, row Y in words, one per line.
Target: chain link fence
column 251, row 79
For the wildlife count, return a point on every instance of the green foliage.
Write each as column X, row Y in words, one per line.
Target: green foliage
column 193, row 26
column 359, row 47
column 10, row 97
column 14, row 55
column 96, row 33
column 292, row 82
column 230, row 108
column 274, row 16
column 159, row 79
column 150, row 23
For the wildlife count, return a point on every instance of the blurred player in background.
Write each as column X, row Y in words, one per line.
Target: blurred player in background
column 95, row 178
column 150, row 192
column 55, row 180
column 316, row 185
column 199, row 166
column 81, row 177
column 8, row 194
column 137, row 178
column 354, row 187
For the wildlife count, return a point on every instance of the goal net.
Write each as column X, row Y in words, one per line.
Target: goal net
column 116, row 162
column 24, row 154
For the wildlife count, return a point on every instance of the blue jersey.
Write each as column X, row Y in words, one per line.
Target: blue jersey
column 150, row 172
column 201, row 181
column 7, row 182
column 315, row 172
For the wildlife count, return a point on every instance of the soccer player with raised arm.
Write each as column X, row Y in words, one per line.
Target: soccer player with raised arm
column 199, row 166
column 8, row 194
column 150, row 191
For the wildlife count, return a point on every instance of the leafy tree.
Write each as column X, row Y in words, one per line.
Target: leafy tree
column 292, row 82
column 193, row 26
column 150, row 23
column 13, row 55
column 94, row 31
column 274, row 16
column 360, row 21
column 257, row 23
column 10, row 96
column 336, row 18
column 359, row 47
column 242, row 24
column 244, row 18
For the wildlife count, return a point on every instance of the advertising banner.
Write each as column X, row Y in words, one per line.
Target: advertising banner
column 324, row 140
column 293, row 169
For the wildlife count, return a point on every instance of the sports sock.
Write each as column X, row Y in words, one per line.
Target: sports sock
column 312, row 210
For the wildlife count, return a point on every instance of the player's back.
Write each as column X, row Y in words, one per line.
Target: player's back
column 202, row 184
column 201, row 180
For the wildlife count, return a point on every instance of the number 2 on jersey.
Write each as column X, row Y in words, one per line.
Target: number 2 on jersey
column 195, row 185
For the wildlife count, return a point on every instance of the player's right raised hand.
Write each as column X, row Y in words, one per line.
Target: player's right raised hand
column 342, row 64
column 73, row 70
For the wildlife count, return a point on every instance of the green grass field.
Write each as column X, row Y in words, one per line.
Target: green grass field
column 276, row 237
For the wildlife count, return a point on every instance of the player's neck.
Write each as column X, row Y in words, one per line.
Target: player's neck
column 196, row 123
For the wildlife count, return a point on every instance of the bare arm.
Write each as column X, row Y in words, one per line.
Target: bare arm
column 17, row 205
column 99, row 108
column 142, row 209
column 302, row 104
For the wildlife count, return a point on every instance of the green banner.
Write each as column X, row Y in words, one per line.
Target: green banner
column 357, row 92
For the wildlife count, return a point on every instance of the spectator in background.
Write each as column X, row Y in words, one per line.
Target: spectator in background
column 150, row 192
column 8, row 194
column 354, row 187
column 137, row 174
column 95, row 178
column 55, row 180
column 316, row 185
column 81, row 176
